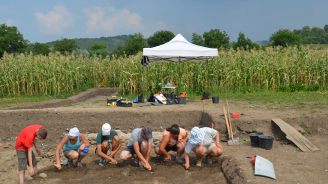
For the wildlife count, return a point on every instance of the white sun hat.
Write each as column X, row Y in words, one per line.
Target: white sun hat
column 74, row 132
column 105, row 129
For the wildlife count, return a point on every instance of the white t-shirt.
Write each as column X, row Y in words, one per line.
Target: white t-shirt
column 208, row 139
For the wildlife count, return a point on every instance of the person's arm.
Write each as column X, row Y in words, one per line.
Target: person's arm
column 58, row 149
column 30, row 161
column 84, row 140
column 186, row 157
column 37, row 149
column 164, row 142
column 189, row 147
column 117, row 141
column 217, row 138
column 137, row 150
column 184, row 139
column 148, row 152
column 102, row 154
column 140, row 156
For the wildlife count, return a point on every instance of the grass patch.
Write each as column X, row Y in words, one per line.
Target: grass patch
column 301, row 99
column 282, row 99
column 7, row 101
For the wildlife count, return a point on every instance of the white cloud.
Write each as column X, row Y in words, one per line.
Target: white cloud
column 104, row 20
column 55, row 21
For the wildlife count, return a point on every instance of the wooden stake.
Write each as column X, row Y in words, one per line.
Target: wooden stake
column 227, row 122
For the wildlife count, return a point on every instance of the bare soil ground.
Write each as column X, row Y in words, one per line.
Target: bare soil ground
column 291, row 165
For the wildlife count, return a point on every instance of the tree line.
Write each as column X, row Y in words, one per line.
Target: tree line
column 12, row 41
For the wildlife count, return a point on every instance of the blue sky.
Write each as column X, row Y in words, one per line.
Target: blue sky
column 48, row 20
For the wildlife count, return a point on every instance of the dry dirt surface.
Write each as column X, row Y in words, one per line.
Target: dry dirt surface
column 291, row 165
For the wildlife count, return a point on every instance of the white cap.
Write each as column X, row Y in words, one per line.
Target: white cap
column 74, row 132
column 105, row 129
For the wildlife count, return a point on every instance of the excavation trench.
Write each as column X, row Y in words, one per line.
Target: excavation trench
column 88, row 121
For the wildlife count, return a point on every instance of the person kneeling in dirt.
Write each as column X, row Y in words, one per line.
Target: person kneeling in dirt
column 174, row 139
column 139, row 144
column 75, row 147
column 24, row 149
column 201, row 141
column 107, row 140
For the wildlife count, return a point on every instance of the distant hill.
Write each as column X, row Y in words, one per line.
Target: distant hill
column 111, row 42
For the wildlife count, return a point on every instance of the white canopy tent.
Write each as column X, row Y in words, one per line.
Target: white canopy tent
column 178, row 49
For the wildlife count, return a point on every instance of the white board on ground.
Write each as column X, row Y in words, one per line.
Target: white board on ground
column 263, row 167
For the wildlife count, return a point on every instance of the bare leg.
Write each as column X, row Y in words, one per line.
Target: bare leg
column 81, row 155
column 181, row 147
column 21, row 177
column 215, row 152
column 104, row 147
column 200, row 151
column 125, row 155
column 157, row 150
column 115, row 145
column 73, row 155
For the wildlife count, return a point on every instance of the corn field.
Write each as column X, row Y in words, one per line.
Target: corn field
column 232, row 71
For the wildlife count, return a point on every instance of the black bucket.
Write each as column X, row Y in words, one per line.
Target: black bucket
column 255, row 138
column 215, row 99
column 205, row 95
column 140, row 99
column 265, row 141
column 181, row 100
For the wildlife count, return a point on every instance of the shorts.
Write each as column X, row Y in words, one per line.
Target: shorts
column 171, row 148
column 23, row 160
column 66, row 153
column 131, row 149
column 210, row 147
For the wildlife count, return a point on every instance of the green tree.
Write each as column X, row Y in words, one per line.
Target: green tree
column 306, row 29
column 98, row 49
column 216, row 39
column 39, row 48
column 197, row 39
column 159, row 38
column 284, row 38
column 11, row 40
column 134, row 44
column 244, row 43
column 65, row 46
column 325, row 28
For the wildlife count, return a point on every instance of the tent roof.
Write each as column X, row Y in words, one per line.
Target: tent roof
column 179, row 49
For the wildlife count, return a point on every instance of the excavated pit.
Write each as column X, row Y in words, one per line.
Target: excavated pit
column 56, row 121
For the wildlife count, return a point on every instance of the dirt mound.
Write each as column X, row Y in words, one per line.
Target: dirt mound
column 232, row 170
column 71, row 100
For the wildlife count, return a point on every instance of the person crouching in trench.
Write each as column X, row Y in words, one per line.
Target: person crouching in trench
column 75, row 147
column 107, row 141
column 139, row 144
column 174, row 139
column 203, row 141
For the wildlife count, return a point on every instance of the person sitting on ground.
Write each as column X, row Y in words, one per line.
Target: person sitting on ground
column 139, row 144
column 174, row 139
column 107, row 140
column 201, row 141
column 24, row 149
column 75, row 147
